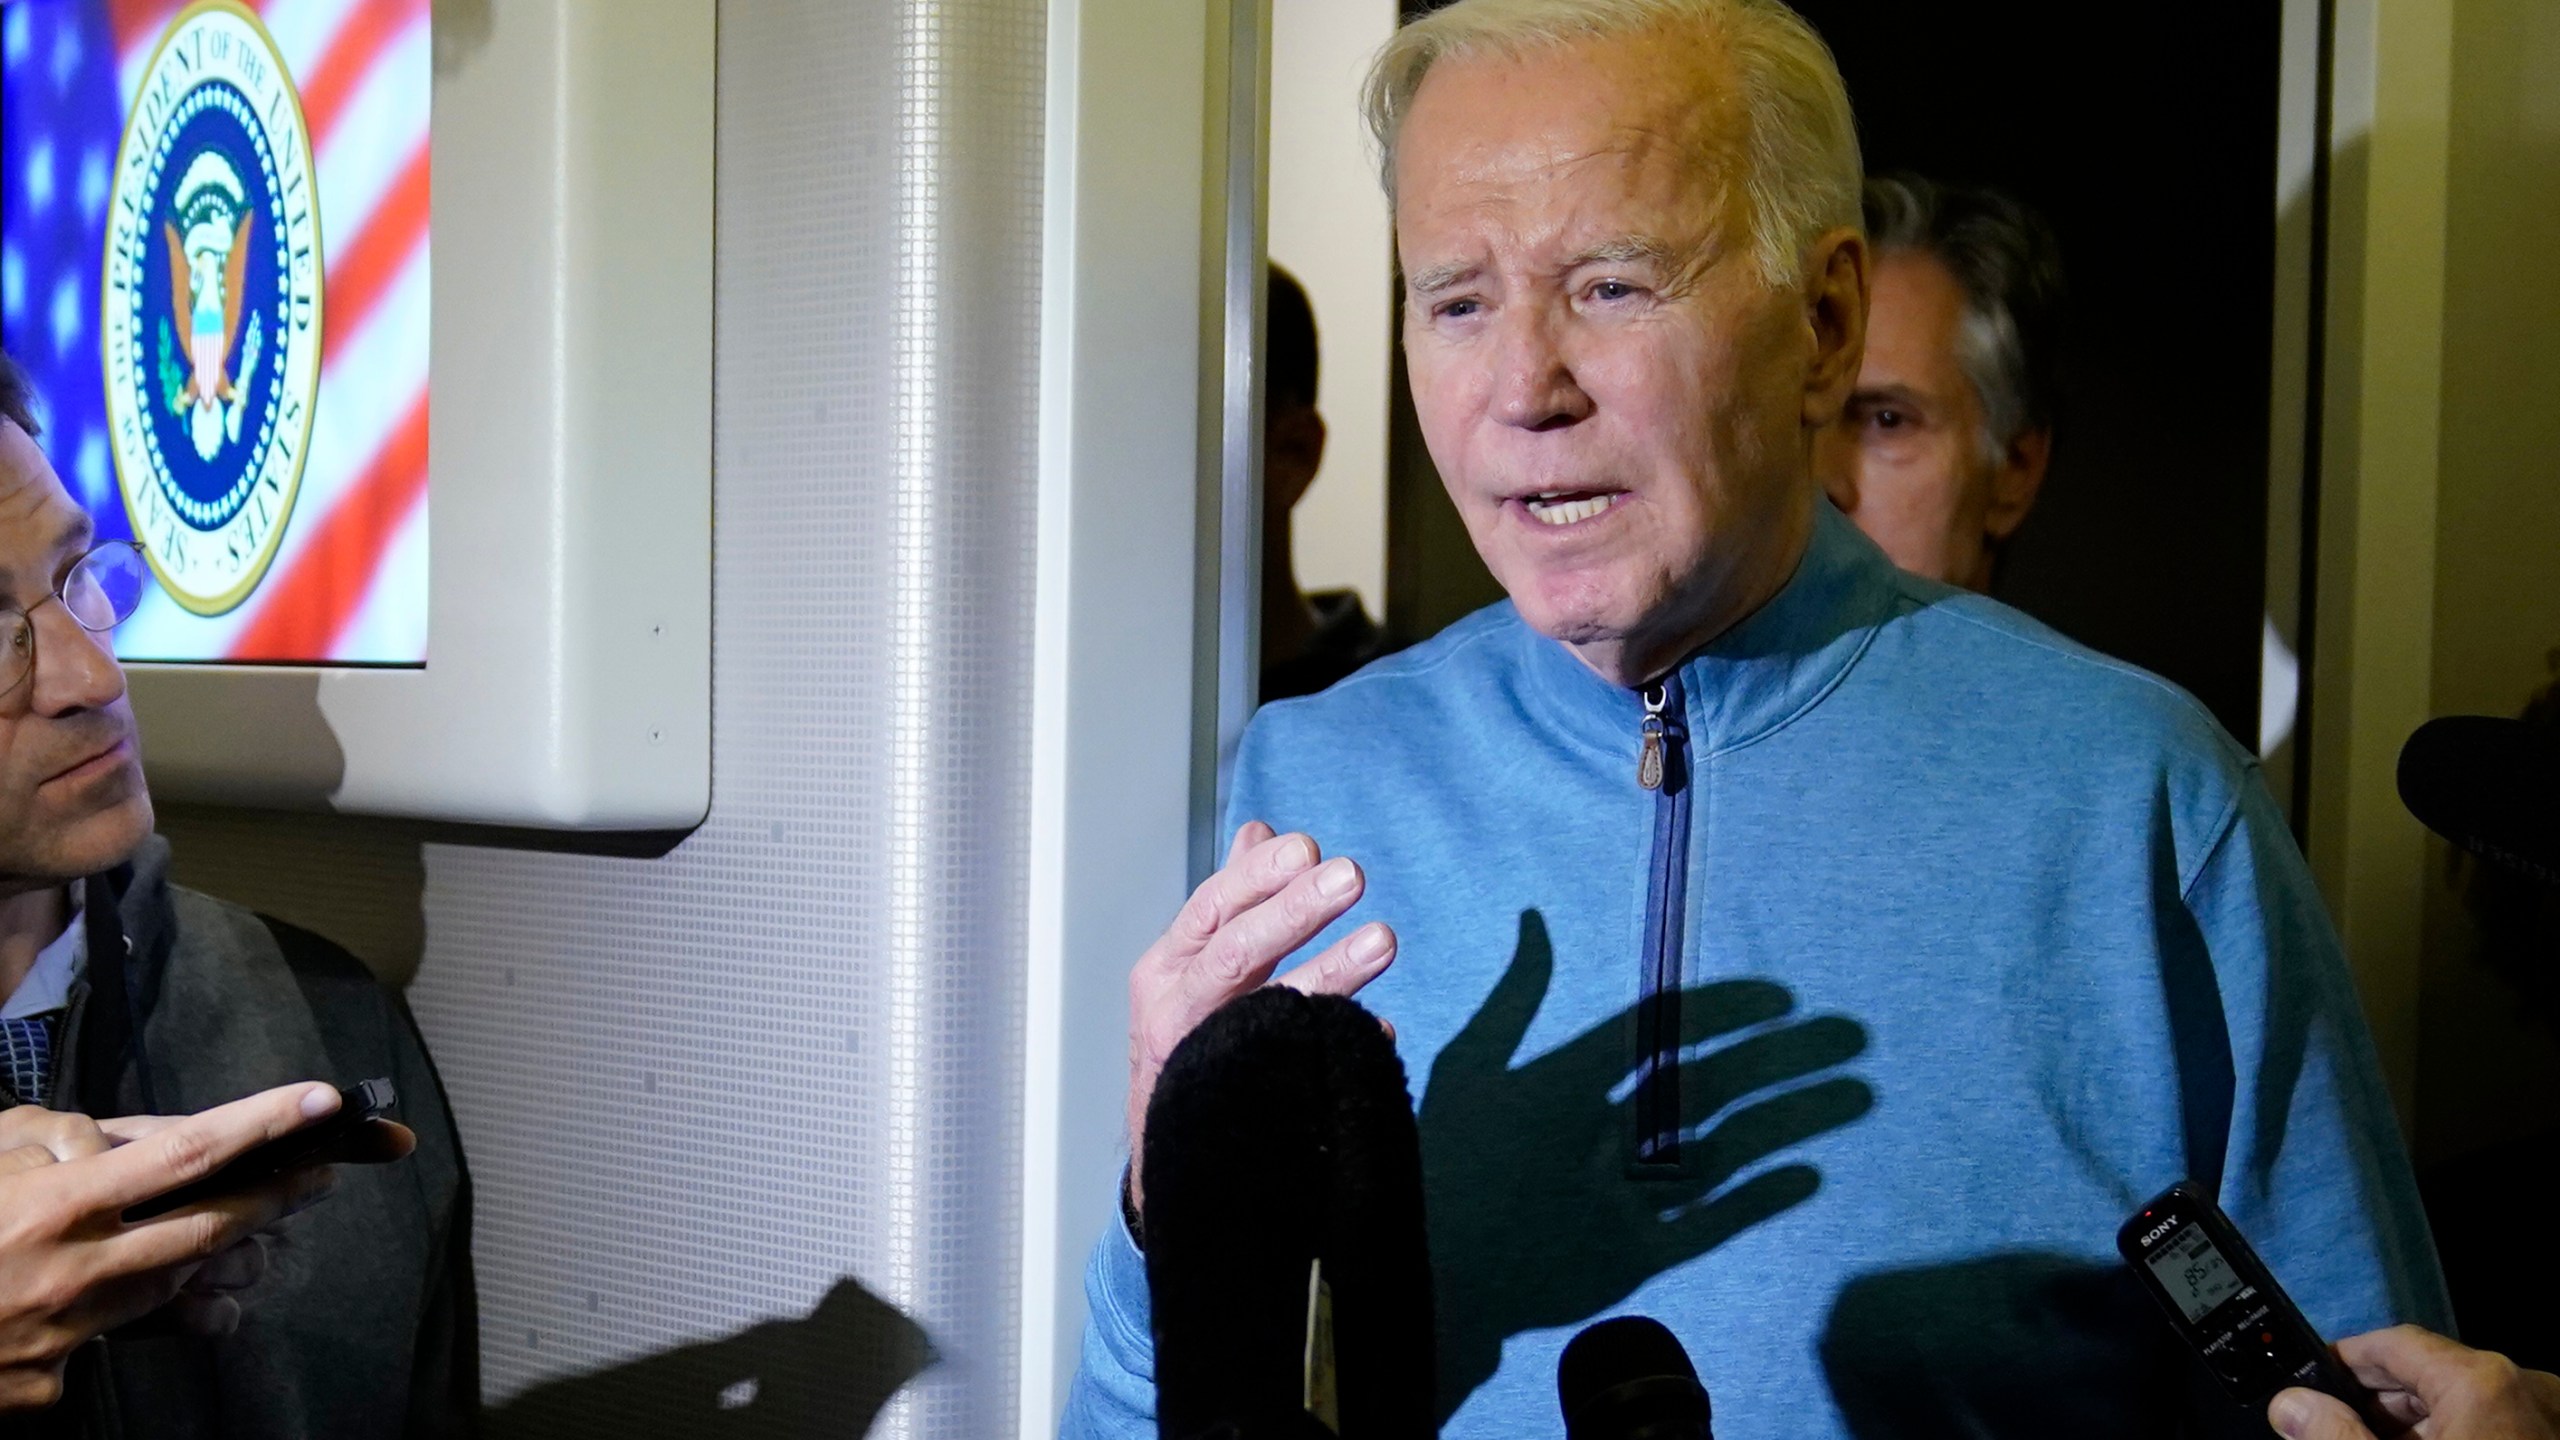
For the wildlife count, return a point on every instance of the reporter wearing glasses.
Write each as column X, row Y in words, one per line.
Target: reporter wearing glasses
column 125, row 998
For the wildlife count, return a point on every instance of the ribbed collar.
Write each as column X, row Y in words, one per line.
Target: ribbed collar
column 1756, row 677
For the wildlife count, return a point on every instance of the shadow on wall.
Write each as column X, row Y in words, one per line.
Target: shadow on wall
column 827, row 1374
column 359, row 881
column 462, row 28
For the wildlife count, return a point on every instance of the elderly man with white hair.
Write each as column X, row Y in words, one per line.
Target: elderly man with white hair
column 1818, row 959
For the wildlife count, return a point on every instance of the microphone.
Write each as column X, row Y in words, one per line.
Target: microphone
column 1286, row 1261
column 2490, row 786
column 1629, row 1379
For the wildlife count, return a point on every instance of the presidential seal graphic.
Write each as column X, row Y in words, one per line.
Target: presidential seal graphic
column 212, row 305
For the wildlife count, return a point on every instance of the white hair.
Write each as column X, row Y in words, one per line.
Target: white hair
column 1801, row 155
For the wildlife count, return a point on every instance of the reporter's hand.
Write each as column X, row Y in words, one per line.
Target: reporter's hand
column 379, row 1143
column 71, row 1268
column 208, row 1302
column 1272, row 897
column 2443, row 1390
column 59, row 1135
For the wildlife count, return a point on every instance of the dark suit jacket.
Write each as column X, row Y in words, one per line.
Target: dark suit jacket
column 365, row 1324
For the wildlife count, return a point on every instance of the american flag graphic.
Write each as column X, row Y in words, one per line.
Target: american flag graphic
column 348, row 584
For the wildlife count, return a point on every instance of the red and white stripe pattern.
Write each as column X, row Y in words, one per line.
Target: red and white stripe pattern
column 349, row 579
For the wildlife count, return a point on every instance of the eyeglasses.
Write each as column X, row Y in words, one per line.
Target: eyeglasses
column 100, row 591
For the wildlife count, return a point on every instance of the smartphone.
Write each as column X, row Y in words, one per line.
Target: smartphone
column 340, row 1137
column 2222, row 1301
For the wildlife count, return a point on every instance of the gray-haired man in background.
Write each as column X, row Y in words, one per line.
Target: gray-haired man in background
column 1942, row 448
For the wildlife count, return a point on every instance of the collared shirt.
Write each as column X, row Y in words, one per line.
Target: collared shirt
column 48, row 983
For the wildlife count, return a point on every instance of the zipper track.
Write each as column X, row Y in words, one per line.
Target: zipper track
column 1666, row 913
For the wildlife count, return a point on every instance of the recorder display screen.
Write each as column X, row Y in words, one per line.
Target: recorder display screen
column 2194, row 1273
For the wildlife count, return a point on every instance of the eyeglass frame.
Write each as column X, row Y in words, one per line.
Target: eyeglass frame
column 55, row 596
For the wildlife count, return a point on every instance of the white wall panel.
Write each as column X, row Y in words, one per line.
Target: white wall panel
column 745, row 1119
column 1134, row 470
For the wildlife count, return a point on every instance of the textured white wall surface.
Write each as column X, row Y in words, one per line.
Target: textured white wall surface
column 1329, row 228
column 744, row 1118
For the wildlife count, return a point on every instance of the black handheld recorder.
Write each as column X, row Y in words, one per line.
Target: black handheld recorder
column 2221, row 1300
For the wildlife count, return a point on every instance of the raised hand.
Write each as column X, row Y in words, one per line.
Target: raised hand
column 1275, row 893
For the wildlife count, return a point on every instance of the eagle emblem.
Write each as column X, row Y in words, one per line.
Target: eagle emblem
column 208, row 233
column 212, row 296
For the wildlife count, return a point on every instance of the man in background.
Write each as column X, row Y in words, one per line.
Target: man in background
column 1943, row 445
column 1308, row 641
column 122, row 995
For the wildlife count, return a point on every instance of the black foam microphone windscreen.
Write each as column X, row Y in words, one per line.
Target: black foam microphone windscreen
column 1286, row 1260
column 1629, row 1378
column 2490, row 786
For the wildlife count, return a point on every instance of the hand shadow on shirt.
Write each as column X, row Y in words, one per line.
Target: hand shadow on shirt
column 2017, row 1344
column 828, row 1373
column 1535, row 1220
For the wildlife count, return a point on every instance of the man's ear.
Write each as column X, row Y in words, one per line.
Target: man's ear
column 1835, row 308
column 2015, row 485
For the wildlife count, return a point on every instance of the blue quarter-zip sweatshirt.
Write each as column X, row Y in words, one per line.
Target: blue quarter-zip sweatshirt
column 1833, row 1002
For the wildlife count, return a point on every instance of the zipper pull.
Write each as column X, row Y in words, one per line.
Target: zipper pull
column 1649, row 768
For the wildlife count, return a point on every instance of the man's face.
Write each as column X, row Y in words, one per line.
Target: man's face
column 72, row 801
column 1906, row 458
column 1617, row 401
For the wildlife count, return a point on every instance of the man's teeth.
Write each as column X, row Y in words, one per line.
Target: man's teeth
column 1566, row 512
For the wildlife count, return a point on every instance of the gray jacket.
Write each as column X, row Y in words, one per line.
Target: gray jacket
column 365, row 1324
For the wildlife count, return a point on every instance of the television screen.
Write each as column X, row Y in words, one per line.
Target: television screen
column 213, row 266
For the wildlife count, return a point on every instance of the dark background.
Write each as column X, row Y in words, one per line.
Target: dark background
column 2149, row 139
